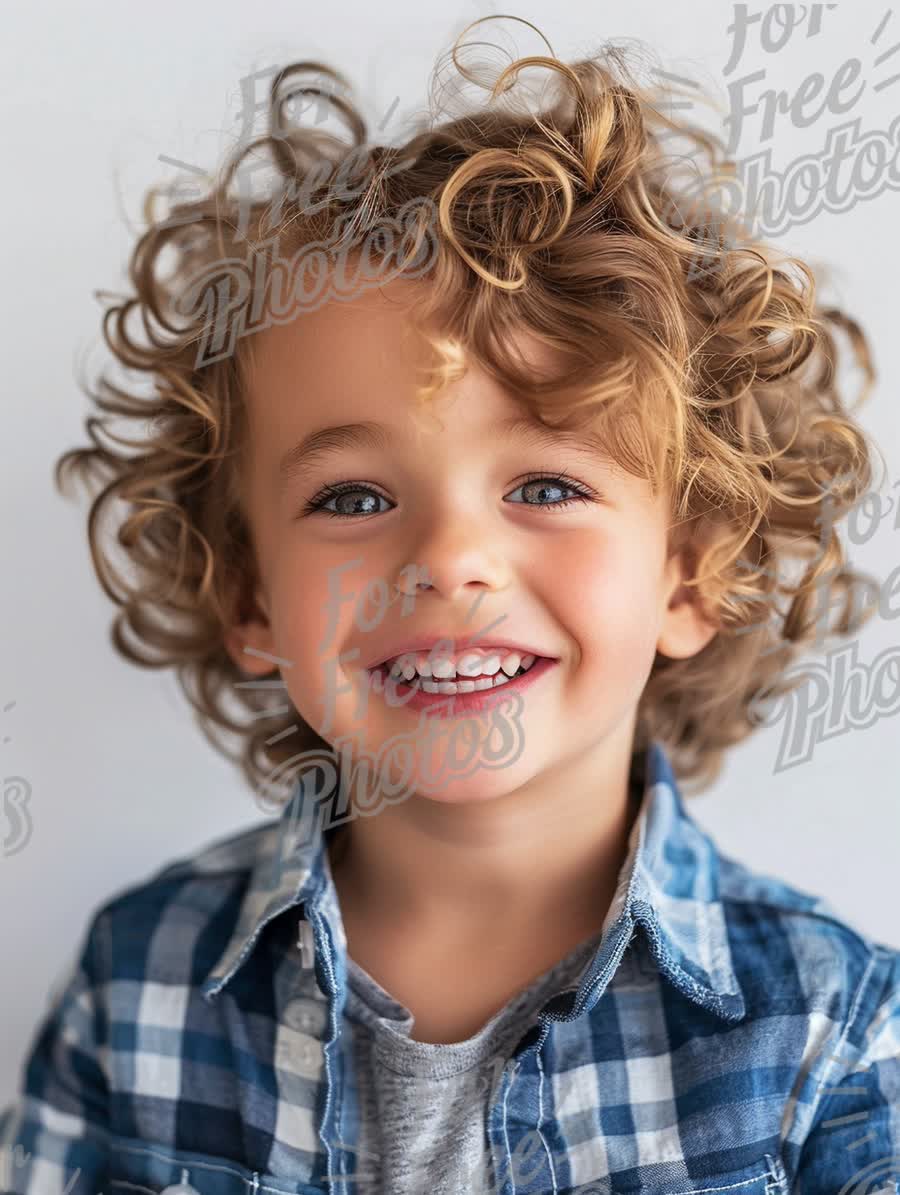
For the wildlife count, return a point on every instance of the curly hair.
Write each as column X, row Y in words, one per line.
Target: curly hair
column 718, row 385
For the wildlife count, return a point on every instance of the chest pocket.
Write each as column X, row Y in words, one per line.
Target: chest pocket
column 766, row 1177
column 145, row 1168
column 768, row 1180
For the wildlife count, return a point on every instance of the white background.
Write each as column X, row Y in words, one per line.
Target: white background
column 122, row 781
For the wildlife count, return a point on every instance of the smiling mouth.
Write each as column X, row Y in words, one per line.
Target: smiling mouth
column 445, row 688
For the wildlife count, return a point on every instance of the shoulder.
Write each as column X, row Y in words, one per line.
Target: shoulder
column 173, row 924
column 794, row 953
column 822, row 1005
column 221, row 865
column 755, row 896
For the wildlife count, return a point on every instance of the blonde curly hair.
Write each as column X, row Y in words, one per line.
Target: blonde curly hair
column 718, row 385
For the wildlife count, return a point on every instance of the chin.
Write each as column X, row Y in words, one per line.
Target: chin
column 476, row 785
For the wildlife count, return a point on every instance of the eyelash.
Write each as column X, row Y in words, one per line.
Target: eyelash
column 582, row 494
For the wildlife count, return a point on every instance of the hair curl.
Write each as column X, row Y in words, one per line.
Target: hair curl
column 717, row 385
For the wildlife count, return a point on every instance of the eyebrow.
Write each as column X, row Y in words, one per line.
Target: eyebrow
column 328, row 442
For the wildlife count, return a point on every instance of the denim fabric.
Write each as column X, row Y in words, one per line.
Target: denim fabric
column 731, row 1033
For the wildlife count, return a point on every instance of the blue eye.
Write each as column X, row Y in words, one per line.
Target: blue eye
column 544, row 482
column 332, row 492
column 549, row 482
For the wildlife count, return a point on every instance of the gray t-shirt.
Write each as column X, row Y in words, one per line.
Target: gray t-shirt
column 423, row 1106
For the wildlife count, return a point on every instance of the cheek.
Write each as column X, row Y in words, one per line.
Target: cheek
column 324, row 612
column 607, row 599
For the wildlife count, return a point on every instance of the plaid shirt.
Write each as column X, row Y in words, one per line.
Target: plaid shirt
column 731, row 1034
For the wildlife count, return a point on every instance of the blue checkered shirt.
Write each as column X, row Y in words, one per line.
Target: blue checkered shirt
column 731, row 1034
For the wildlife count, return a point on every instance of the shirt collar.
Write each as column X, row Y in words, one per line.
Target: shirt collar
column 668, row 884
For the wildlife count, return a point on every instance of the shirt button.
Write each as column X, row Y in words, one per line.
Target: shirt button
column 298, row 1016
column 181, row 1188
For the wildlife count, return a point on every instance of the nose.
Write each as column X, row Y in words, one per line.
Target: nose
column 458, row 560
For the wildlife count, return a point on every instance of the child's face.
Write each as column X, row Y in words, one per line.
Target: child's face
column 589, row 583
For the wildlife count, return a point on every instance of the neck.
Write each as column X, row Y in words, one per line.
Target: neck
column 544, row 856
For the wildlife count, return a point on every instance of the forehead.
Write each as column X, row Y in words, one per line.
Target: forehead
column 353, row 359
column 369, row 316
column 314, row 380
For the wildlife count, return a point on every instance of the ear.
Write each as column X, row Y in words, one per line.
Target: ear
column 251, row 629
column 685, row 627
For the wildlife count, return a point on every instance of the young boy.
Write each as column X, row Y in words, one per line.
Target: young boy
column 484, row 947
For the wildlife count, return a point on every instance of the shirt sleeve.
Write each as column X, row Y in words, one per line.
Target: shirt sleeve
column 53, row 1140
column 854, row 1142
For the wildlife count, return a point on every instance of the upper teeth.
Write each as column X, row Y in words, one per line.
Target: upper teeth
column 470, row 663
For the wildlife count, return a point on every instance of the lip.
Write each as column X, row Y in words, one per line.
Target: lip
column 449, row 705
column 424, row 643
